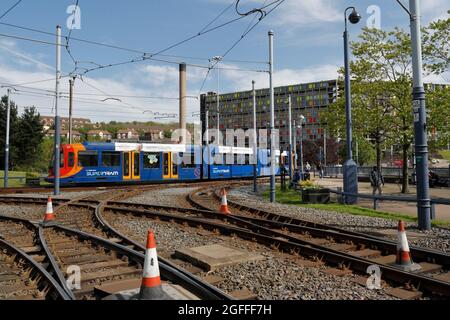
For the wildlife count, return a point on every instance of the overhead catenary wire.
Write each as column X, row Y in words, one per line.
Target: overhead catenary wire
column 10, row 9
column 91, row 42
column 246, row 32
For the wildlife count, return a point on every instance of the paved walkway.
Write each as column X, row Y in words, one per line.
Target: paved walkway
column 442, row 211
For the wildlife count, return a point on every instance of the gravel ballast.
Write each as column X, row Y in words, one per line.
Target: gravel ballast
column 173, row 197
column 437, row 238
column 277, row 276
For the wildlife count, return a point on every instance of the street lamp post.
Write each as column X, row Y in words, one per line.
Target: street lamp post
column 302, row 119
column 290, row 138
column 295, row 146
column 350, row 166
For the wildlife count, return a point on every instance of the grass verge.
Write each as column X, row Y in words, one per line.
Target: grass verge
column 293, row 197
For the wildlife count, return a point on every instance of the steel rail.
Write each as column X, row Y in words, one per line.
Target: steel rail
column 311, row 250
column 170, row 270
column 57, row 286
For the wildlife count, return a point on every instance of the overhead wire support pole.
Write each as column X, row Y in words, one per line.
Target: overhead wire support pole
column 255, row 141
column 420, row 118
column 56, row 164
column 71, row 83
column 272, row 122
column 8, row 119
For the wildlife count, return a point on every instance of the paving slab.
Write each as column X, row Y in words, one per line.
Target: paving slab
column 172, row 292
column 214, row 256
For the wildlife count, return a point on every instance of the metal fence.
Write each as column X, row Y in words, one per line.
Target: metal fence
column 377, row 198
column 336, row 172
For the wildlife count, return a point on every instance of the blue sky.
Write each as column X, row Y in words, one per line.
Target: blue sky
column 308, row 47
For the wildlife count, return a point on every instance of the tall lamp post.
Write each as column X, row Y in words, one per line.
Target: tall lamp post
column 302, row 121
column 350, row 166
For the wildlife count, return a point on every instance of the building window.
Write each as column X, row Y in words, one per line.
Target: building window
column 188, row 160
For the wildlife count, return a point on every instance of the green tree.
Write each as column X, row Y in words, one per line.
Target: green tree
column 382, row 87
column 30, row 137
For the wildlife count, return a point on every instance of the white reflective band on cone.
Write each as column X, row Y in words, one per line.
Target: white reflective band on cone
column 151, row 267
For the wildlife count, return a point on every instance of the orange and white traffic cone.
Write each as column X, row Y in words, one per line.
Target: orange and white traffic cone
column 151, row 288
column 224, row 203
column 404, row 259
column 49, row 215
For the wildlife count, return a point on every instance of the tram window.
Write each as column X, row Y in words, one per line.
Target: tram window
column 152, row 160
column 247, row 159
column 137, row 169
column 61, row 159
column 111, row 159
column 71, row 159
column 87, row 159
column 188, row 160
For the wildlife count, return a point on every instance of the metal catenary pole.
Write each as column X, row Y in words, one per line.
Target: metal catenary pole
column 420, row 117
column 71, row 83
column 272, row 121
column 56, row 165
column 8, row 119
column 255, row 141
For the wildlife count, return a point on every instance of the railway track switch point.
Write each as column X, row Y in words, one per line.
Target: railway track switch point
column 404, row 259
column 224, row 203
column 151, row 288
column 49, row 215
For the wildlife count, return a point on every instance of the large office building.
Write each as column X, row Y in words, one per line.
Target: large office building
column 235, row 110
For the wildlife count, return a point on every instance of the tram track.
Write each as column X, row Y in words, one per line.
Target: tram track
column 78, row 219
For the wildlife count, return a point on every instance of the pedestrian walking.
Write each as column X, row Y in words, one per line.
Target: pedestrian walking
column 376, row 181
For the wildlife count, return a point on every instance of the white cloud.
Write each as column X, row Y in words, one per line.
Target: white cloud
column 434, row 9
column 242, row 81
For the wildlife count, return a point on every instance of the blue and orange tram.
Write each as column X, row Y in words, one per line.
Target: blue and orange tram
column 98, row 163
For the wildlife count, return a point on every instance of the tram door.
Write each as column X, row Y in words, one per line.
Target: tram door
column 131, row 166
column 170, row 166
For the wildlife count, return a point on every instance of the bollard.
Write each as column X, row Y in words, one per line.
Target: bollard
column 340, row 196
column 375, row 204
